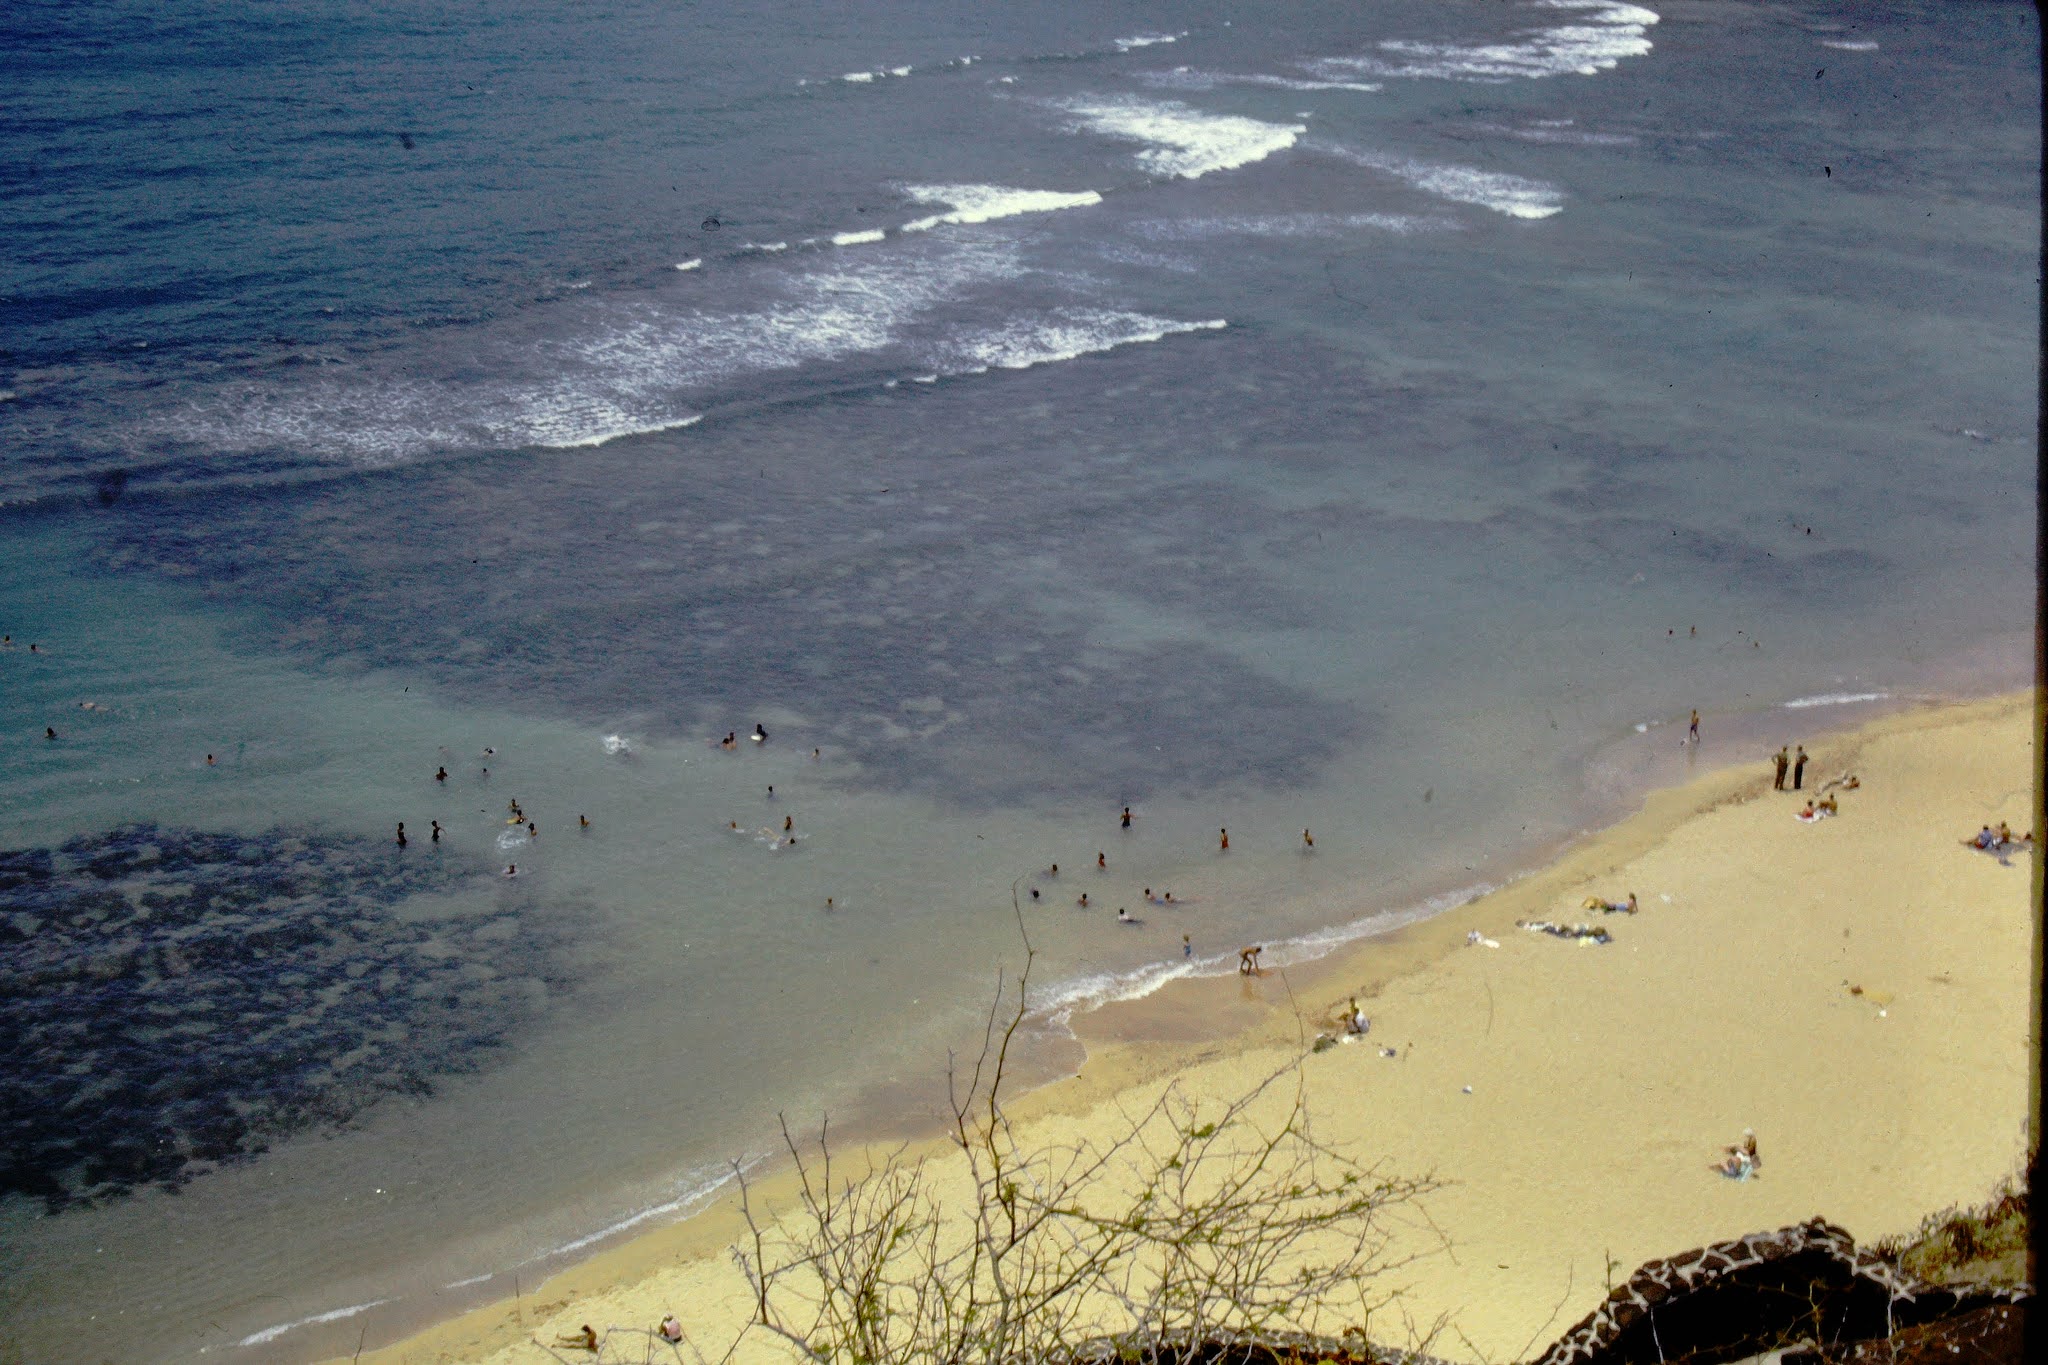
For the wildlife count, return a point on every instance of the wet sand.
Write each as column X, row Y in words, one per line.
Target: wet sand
column 1855, row 990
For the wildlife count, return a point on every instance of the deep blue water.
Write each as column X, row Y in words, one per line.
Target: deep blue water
column 1354, row 416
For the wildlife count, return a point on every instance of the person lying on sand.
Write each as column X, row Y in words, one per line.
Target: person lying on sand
column 1607, row 907
column 586, row 1340
column 1584, row 933
column 1848, row 782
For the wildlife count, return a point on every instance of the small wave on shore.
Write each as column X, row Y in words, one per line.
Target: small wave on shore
column 1834, row 699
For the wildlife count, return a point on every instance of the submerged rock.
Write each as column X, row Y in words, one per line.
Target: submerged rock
column 179, row 999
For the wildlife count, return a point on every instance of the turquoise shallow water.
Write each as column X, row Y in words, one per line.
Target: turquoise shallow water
column 1354, row 422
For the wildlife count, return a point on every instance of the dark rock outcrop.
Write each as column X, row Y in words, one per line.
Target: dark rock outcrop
column 1802, row 1285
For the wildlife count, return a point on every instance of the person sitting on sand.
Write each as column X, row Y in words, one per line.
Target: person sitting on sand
column 670, row 1330
column 1830, row 806
column 585, row 1340
column 1985, row 839
column 1809, row 815
column 1355, row 1021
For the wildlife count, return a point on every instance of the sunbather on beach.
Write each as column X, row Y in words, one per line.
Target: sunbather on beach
column 585, row 1340
column 1607, row 907
column 670, row 1330
column 1810, row 814
column 1985, row 839
column 1584, row 933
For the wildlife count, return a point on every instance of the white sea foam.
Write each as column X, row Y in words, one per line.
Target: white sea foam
column 858, row 77
column 1558, row 132
column 985, row 203
column 1096, row 989
column 1509, row 194
column 1834, row 699
column 1850, row 44
column 1065, row 334
column 697, row 1188
column 1147, row 40
column 1602, row 35
column 766, row 247
column 273, row 1333
column 899, row 71
column 473, row 1279
column 691, row 264
column 1291, row 225
column 857, row 238
column 1185, row 142
column 1186, row 78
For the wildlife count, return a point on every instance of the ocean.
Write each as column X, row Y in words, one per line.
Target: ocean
column 1338, row 420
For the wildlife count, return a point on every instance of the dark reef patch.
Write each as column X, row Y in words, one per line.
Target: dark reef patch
column 177, row 1000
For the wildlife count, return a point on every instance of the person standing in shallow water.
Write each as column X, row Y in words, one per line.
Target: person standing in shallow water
column 1223, row 841
column 1692, row 730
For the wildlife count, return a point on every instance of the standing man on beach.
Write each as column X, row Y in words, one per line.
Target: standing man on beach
column 1799, row 768
column 1780, row 760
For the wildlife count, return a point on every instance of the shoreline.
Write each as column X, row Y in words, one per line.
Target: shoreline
column 1205, row 1021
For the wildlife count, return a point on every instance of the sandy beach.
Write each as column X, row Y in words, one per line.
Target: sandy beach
column 1855, row 990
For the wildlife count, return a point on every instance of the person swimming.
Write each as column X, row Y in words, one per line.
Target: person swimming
column 583, row 821
column 441, row 774
column 1083, row 902
column 1127, row 817
column 1034, row 893
column 532, row 830
column 511, row 869
column 1102, row 862
column 759, row 736
column 436, row 831
column 788, row 823
column 49, row 732
column 401, row 834
column 1223, row 841
column 828, row 902
column 1123, row 916
column 1307, row 840
column 209, row 760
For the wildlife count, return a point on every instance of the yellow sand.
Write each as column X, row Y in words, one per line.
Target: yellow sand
column 1603, row 1080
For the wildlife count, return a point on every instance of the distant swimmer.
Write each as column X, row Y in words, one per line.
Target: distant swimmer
column 1034, row 893
column 1223, row 841
column 1187, row 946
column 771, row 791
column 1167, row 898
column 759, row 736
column 436, row 831
column 1127, row 817
column 1307, row 840
column 401, row 834
column 209, row 760
column 1692, row 730
column 511, row 869
column 1123, row 916
column 1150, row 897
column 440, row 774
column 788, row 823
column 733, row 825
column 532, row 830
column 828, row 902
column 583, row 821
column 1053, row 871
column 489, row 752
column 1102, row 862
column 814, row 755
column 791, row 843
column 49, row 732
column 1083, row 902
column 1248, row 960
